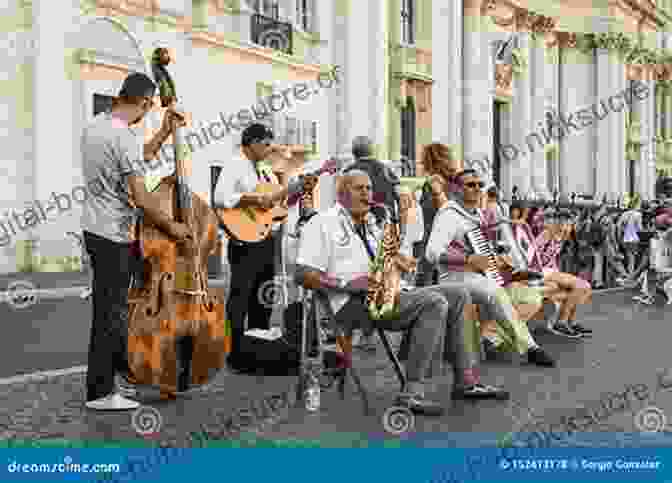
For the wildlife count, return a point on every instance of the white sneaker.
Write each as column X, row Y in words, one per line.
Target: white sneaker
column 112, row 402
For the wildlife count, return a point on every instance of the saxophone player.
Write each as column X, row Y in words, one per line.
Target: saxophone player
column 334, row 255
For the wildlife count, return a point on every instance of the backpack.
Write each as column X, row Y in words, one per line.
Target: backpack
column 279, row 357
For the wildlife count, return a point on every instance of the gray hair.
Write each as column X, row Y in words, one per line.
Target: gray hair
column 346, row 179
column 362, row 147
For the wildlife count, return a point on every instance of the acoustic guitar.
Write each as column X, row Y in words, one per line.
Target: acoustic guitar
column 253, row 224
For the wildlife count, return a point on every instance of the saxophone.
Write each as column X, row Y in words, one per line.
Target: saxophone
column 382, row 298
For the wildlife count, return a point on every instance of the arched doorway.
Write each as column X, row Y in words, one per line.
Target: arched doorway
column 408, row 143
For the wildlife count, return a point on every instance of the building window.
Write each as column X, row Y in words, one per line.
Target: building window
column 296, row 132
column 632, row 176
column 268, row 31
column 304, row 14
column 408, row 22
column 267, row 8
column 101, row 103
column 497, row 143
column 408, row 146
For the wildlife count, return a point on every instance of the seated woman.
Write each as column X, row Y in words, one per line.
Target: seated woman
column 543, row 243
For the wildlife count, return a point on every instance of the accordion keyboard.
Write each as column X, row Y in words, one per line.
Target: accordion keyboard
column 481, row 246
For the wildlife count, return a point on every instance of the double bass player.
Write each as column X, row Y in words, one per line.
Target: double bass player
column 114, row 154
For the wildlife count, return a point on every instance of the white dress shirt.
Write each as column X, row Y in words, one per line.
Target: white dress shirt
column 330, row 244
column 238, row 177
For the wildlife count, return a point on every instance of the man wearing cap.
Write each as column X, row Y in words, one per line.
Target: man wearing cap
column 252, row 265
column 113, row 153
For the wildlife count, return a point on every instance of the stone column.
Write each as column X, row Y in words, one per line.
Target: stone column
column 553, row 83
column 378, row 78
column 447, row 72
column 667, row 97
column 621, row 133
column 56, row 146
column 606, row 152
column 577, row 91
column 541, row 73
column 478, row 86
column 647, row 164
column 506, row 182
column 339, row 94
column 521, row 165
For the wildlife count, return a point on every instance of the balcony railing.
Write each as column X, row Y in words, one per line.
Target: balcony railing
column 272, row 33
column 296, row 132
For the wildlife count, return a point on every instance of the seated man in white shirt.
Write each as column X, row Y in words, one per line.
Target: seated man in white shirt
column 334, row 255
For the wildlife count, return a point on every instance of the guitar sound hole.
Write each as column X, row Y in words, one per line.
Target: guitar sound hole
column 148, row 311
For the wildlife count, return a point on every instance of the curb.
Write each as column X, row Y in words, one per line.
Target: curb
column 64, row 292
column 42, row 375
column 76, row 291
column 611, row 290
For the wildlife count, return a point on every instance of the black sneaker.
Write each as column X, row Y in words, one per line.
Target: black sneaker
column 563, row 331
column 481, row 391
column 539, row 357
column 581, row 330
column 419, row 405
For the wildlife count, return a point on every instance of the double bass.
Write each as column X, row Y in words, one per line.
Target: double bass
column 178, row 336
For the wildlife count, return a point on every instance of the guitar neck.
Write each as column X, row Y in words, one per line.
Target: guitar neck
column 294, row 185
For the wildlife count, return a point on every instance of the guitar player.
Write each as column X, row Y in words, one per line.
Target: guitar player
column 251, row 264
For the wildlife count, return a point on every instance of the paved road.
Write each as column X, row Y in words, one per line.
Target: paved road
column 52, row 334
column 630, row 347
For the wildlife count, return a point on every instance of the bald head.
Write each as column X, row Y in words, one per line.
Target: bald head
column 346, row 180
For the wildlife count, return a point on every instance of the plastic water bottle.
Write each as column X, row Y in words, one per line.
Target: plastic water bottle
column 312, row 395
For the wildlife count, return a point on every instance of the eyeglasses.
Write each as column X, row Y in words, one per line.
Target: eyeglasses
column 473, row 185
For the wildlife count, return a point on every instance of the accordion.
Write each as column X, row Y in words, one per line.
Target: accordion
column 482, row 247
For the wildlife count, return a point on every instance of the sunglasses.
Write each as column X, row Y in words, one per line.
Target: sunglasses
column 473, row 185
column 147, row 102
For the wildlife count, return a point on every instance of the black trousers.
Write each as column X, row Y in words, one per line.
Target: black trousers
column 112, row 264
column 252, row 272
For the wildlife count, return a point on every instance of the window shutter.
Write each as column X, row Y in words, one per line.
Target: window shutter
column 290, row 130
column 314, row 136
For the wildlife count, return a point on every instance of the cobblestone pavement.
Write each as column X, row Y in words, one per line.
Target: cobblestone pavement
column 629, row 349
